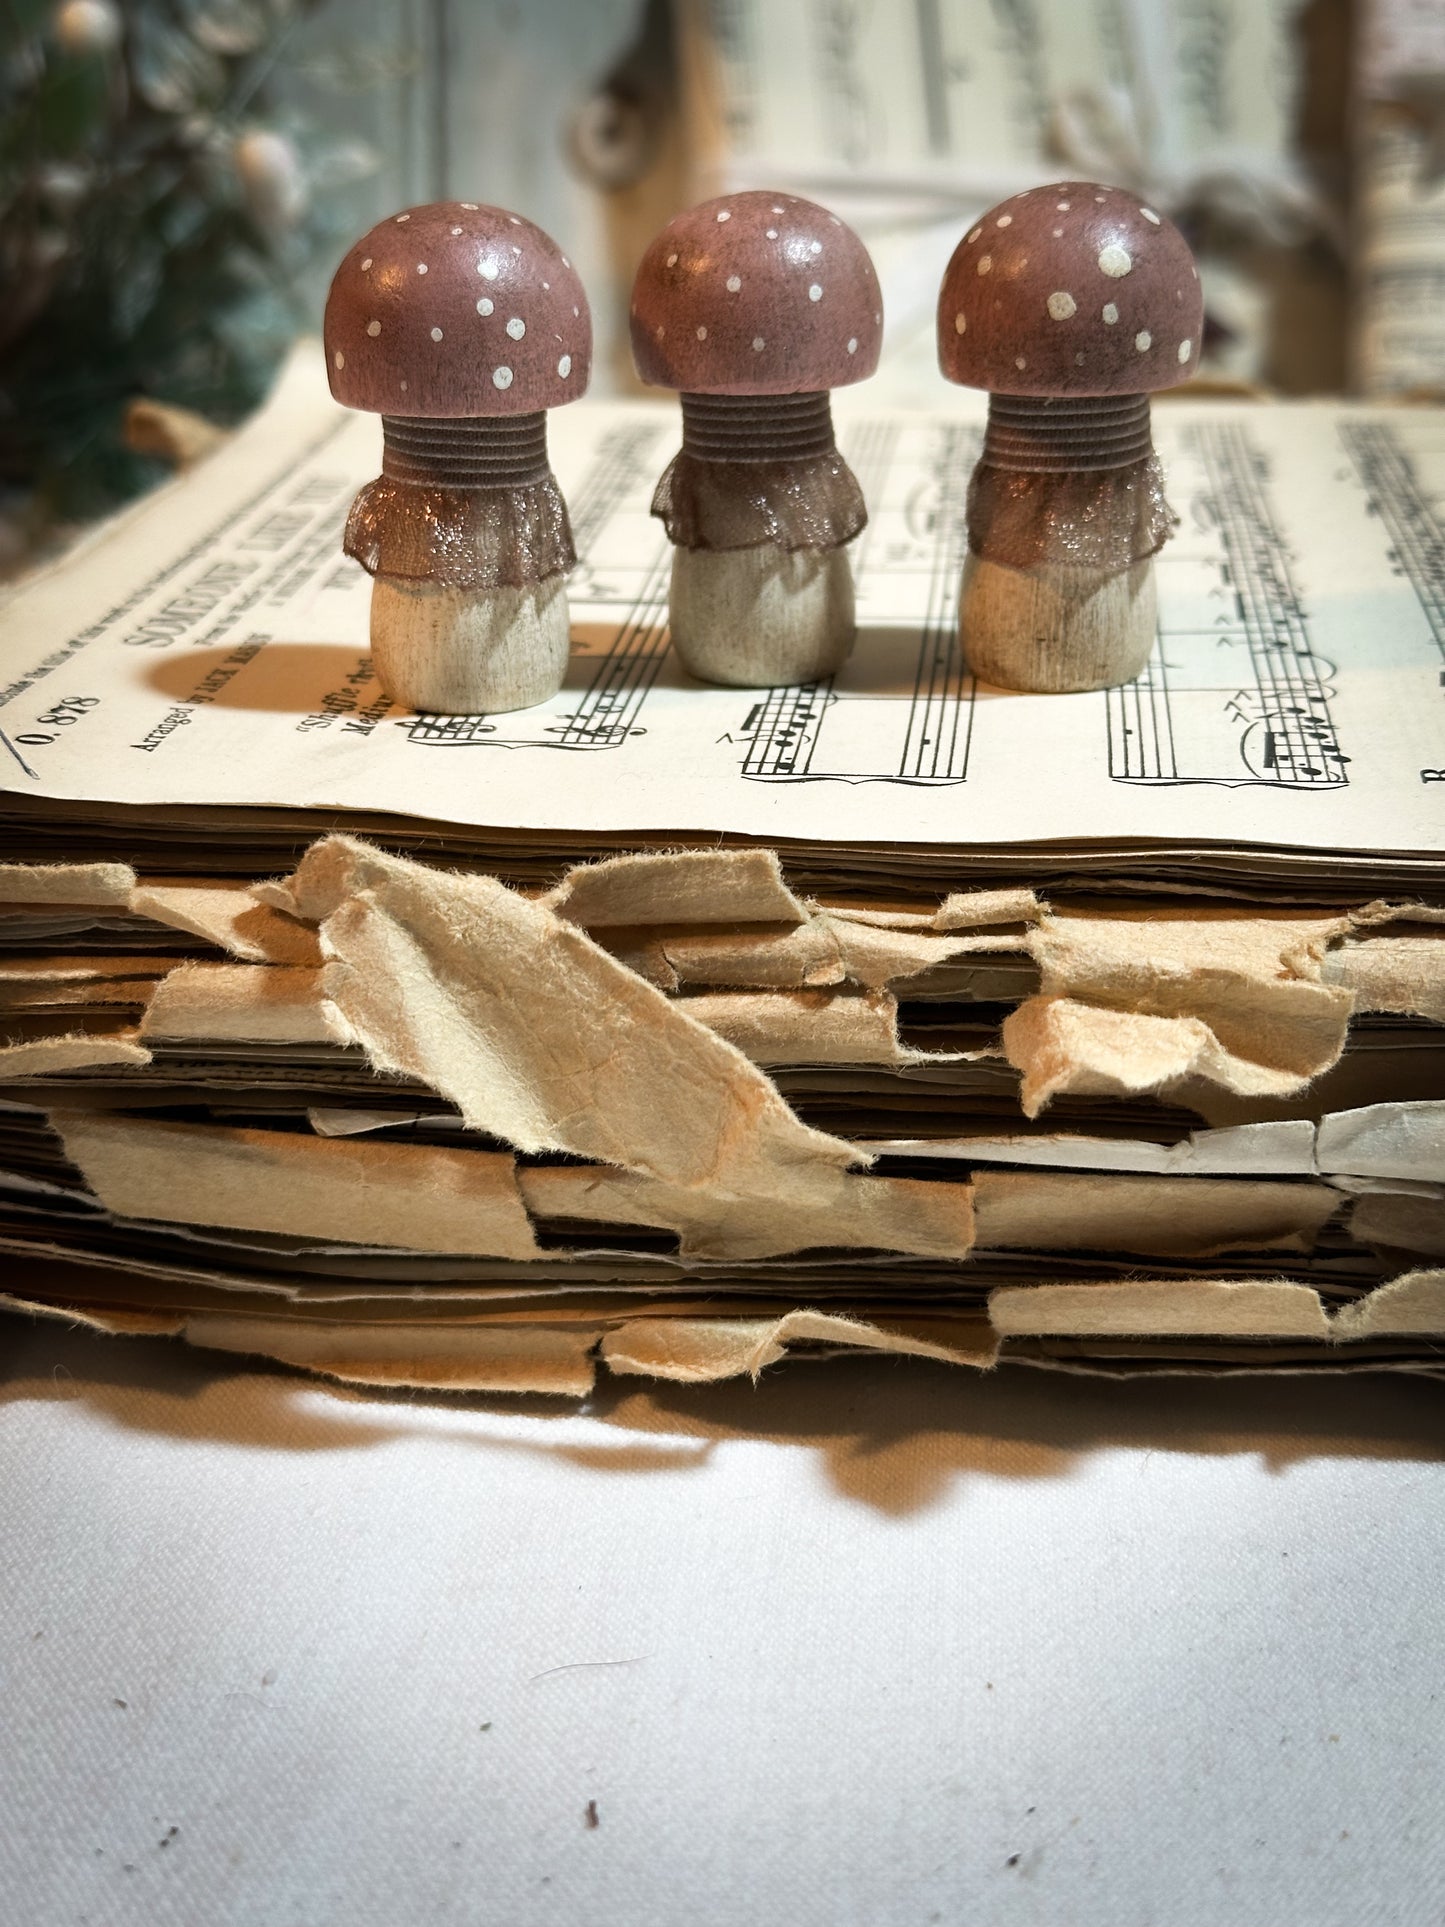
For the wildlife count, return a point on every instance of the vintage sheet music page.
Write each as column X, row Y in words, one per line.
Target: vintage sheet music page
column 211, row 648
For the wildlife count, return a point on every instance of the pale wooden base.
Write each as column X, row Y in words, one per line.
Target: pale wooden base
column 758, row 618
column 1056, row 627
column 468, row 652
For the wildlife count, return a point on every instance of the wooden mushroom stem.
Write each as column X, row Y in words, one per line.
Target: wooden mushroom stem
column 466, row 537
column 1065, row 509
column 759, row 504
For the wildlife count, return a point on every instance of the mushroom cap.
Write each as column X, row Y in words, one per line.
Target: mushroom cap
column 756, row 294
column 457, row 310
column 1074, row 289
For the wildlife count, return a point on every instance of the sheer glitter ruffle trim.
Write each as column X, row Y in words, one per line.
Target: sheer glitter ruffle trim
column 1108, row 519
column 461, row 538
column 810, row 503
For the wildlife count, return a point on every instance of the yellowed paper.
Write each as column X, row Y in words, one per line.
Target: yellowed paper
column 230, row 918
column 104, row 886
column 80, row 1050
column 1155, row 1216
column 678, row 886
column 844, row 1210
column 1207, row 1307
column 244, row 1003
column 415, row 1197
column 700, row 1350
column 538, row 1036
column 1408, row 1307
column 466, row 1358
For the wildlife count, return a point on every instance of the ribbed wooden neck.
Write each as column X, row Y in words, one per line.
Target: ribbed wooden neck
column 510, row 452
column 1055, row 436
column 757, row 428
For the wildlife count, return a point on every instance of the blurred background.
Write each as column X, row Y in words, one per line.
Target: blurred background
column 177, row 177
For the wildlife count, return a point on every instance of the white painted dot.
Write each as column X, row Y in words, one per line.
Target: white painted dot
column 1101, row 197
column 373, row 328
column 516, row 327
column 516, row 250
column 502, row 377
column 852, row 344
column 1058, row 234
column 659, row 331
column 1114, row 260
column 815, row 293
column 975, row 234
column 1061, row 305
column 702, row 334
column 366, row 264
column 456, row 230
column 672, row 259
column 878, row 318
column 815, row 247
column 575, row 313
column 985, row 262
column 1111, row 314
column 547, row 287
column 1004, row 220
column 470, row 206
column 1150, row 215
column 735, row 281
column 487, row 270
column 724, row 214
column 421, row 267
column 436, row 334
column 484, row 306
column 515, row 219
column 564, row 366
column 339, row 359
column 960, row 323
column 772, row 234
column 402, row 217
column 777, row 210
column 1143, row 340
column 1020, row 362
column 1186, row 349
column 758, row 344
column 1078, row 361
column 1064, row 206
column 403, row 387
column 565, row 262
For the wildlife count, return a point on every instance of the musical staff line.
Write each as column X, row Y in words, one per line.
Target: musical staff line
column 1189, row 718
column 1409, row 515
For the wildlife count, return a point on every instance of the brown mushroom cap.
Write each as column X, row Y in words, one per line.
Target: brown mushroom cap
column 756, row 294
column 1074, row 289
column 455, row 310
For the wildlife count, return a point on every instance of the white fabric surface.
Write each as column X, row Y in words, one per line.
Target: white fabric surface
column 874, row 1643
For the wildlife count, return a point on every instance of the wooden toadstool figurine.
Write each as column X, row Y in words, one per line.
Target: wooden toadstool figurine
column 1070, row 304
column 460, row 325
column 755, row 306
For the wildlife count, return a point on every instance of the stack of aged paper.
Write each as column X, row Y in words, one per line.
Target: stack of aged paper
column 672, row 1028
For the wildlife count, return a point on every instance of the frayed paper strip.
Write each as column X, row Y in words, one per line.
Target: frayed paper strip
column 538, row 1036
column 1154, row 1216
column 677, row 886
column 410, row 1196
column 244, row 1003
column 75, row 1051
column 1203, row 1307
column 832, row 1210
column 100, row 886
column 695, row 1350
column 230, row 918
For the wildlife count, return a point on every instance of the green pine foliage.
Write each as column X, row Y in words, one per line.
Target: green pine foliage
column 154, row 216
